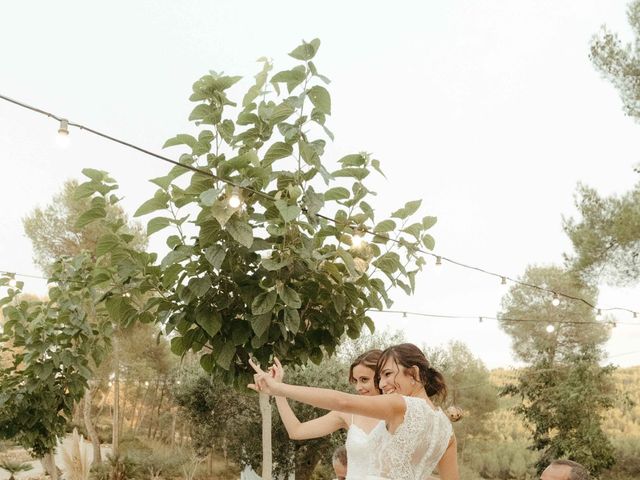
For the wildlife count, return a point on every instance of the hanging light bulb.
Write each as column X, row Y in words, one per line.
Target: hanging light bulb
column 234, row 200
column 550, row 328
column 438, row 260
column 556, row 300
column 635, row 314
column 503, row 281
column 357, row 240
column 599, row 315
column 12, row 283
column 480, row 319
column 62, row 139
column 404, row 314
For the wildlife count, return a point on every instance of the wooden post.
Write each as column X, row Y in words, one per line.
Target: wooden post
column 267, row 453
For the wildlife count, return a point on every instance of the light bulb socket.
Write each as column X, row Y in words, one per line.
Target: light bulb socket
column 64, row 127
column 438, row 260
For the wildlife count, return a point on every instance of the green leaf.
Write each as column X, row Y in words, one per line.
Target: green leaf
column 261, row 323
column 277, row 151
column 160, row 201
column 353, row 172
column 337, row 193
column 320, row 98
column 306, row 51
column 226, row 355
column 376, row 164
column 428, row 222
column 93, row 174
column 287, row 212
column 241, row 231
column 222, row 212
column 215, row 255
column 180, row 139
column 415, row 229
column 338, row 301
column 200, row 286
column 210, row 321
column 281, row 113
column 89, row 216
column 409, row 209
column 106, row 243
column 348, row 261
column 385, row 226
column 207, row 362
column 292, row 78
column 264, row 303
column 292, row 320
column 428, row 241
column 389, row 263
column 175, row 256
column 157, row 224
column 353, row 160
column 177, row 346
column 273, row 264
column 290, row 297
column 208, row 197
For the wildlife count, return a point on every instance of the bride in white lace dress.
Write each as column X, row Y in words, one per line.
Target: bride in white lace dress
column 418, row 436
column 362, row 432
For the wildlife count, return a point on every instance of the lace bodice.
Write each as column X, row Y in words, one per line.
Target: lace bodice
column 360, row 445
column 415, row 448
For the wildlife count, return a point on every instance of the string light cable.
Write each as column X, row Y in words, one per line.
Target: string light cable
column 63, row 129
column 481, row 318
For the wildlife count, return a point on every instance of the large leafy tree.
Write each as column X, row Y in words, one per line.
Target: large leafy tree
column 620, row 63
column 258, row 270
column 49, row 344
column 54, row 231
column 57, row 230
column 606, row 236
column 563, row 391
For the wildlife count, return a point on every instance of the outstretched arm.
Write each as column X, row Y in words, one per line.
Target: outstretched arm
column 318, row 427
column 297, row 430
column 385, row 407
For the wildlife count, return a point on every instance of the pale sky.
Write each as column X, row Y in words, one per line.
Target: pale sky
column 489, row 111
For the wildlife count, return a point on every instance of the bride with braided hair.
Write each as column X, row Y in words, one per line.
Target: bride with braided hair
column 418, row 436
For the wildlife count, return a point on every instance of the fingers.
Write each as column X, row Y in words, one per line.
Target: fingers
column 277, row 362
column 255, row 366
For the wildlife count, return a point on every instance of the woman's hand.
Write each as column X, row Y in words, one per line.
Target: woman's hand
column 276, row 370
column 263, row 382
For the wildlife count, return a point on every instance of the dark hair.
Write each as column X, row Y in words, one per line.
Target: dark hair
column 340, row 455
column 408, row 355
column 368, row 359
column 578, row 472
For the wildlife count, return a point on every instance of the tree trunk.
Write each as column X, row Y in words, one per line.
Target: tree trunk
column 141, row 411
column 91, row 430
column 157, row 422
column 153, row 402
column 49, row 465
column 173, row 427
column 136, row 404
column 267, row 454
column 116, row 399
column 123, row 405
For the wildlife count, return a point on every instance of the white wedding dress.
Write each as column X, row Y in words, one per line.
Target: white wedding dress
column 413, row 451
column 360, row 445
